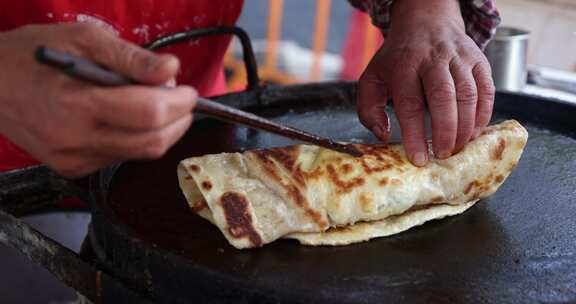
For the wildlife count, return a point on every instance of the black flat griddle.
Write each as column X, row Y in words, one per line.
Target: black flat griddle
column 517, row 246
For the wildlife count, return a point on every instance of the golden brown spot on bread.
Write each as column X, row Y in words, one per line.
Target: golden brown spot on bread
column 497, row 152
column 487, row 131
column 499, row 178
column 437, row 199
column 343, row 186
column 267, row 164
column 365, row 200
column 316, row 173
column 298, row 176
column 396, row 182
column 286, row 156
column 382, row 153
column 382, row 166
column 512, row 165
column 471, row 186
column 383, row 181
column 521, row 143
column 187, row 177
column 238, row 217
column 303, row 203
column 194, row 168
column 346, row 168
column 340, row 229
column 503, row 127
column 206, row 185
column 395, row 155
column 291, row 190
column 199, row 205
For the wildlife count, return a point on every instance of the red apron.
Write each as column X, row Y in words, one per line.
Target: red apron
column 139, row 21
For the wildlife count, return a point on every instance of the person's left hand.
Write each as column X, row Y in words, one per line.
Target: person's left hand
column 427, row 57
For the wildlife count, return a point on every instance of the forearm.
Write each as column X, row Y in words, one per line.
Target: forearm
column 480, row 17
column 418, row 11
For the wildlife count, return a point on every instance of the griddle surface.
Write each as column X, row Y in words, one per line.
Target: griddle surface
column 515, row 247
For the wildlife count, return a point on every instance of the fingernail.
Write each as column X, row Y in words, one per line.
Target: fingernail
column 419, row 159
column 387, row 118
column 444, row 154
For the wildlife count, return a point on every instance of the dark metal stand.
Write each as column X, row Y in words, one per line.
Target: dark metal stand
column 32, row 189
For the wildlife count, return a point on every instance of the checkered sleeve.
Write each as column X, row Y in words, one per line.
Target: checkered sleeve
column 481, row 17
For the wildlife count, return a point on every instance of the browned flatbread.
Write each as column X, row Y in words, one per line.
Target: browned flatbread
column 303, row 191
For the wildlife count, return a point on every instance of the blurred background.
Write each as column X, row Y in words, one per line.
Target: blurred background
column 300, row 41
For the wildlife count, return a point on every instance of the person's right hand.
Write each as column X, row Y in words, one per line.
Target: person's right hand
column 76, row 127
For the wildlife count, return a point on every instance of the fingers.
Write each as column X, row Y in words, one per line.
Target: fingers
column 127, row 58
column 139, row 108
column 441, row 94
column 122, row 144
column 466, row 100
column 161, row 115
column 372, row 100
column 486, row 92
column 409, row 108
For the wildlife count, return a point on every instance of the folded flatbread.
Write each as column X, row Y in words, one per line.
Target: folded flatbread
column 322, row 197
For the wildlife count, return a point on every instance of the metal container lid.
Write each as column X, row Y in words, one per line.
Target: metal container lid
column 510, row 33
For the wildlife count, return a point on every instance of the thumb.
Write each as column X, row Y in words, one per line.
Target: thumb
column 372, row 100
column 132, row 60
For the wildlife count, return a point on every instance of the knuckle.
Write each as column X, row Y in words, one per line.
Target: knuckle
column 442, row 94
column 442, row 51
column 466, row 93
column 154, row 115
column 129, row 54
column 86, row 29
column 488, row 90
column 157, row 146
column 409, row 60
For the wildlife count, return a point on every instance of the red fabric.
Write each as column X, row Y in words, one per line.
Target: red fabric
column 139, row 21
column 353, row 49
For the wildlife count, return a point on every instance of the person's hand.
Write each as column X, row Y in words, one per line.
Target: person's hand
column 76, row 127
column 427, row 57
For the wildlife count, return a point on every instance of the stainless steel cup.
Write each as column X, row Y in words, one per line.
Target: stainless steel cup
column 507, row 54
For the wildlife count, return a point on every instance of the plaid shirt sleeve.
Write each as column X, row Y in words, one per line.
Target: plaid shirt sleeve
column 481, row 17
